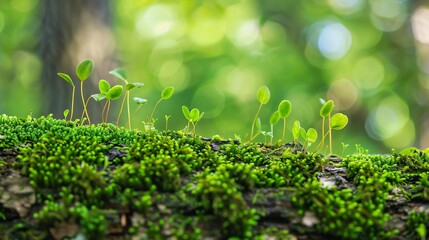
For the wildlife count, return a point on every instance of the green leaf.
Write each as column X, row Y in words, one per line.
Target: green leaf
column 114, row 93
column 338, row 121
column 327, row 108
column 167, row 93
column 119, row 73
column 66, row 113
column 140, row 101
column 185, row 111
column 201, row 116
column 295, row 130
column 311, row 135
column 258, row 125
column 84, row 69
column 98, row 97
column 103, row 86
column 303, row 133
column 264, row 94
column 130, row 86
column 284, row 108
column 194, row 114
column 275, row 117
column 67, row 78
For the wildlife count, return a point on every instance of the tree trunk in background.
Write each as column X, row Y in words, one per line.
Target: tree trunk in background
column 73, row 30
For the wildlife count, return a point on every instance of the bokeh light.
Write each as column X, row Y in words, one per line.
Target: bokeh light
column 388, row 15
column 334, row 41
column 390, row 122
column 368, row 73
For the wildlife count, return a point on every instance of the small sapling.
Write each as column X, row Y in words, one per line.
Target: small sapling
column 68, row 79
column 121, row 74
column 165, row 94
column 83, row 71
column 166, row 121
column 140, row 102
column 193, row 117
column 275, row 117
column 263, row 98
column 284, row 110
column 337, row 122
column 325, row 111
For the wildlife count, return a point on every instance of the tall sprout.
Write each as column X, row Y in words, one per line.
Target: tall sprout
column 83, row 71
column 121, row 74
column 263, row 98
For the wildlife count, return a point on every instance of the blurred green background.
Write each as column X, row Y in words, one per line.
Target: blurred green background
column 370, row 57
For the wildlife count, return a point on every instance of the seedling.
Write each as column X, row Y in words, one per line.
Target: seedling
column 165, row 94
column 66, row 113
column 121, row 74
column 344, row 146
column 309, row 136
column 68, row 79
column 296, row 129
column 284, row 110
column 263, row 98
column 83, row 71
column 265, row 134
column 109, row 94
column 325, row 111
column 275, row 117
column 193, row 117
column 337, row 122
column 166, row 121
column 140, row 102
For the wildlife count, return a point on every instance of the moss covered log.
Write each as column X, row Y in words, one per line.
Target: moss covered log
column 61, row 180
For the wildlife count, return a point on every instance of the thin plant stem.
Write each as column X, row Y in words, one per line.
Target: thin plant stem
column 103, row 112
column 254, row 121
column 187, row 127
column 257, row 134
column 86, row 104
column 323, row 131
column 72, row 104
column 120, row 110
column 154, row 108
column 108, row 109
column 83, row 102
column 128, row 108
column 330, row 134
column 195, row 129
column 272, row 134
column 323, row 138
column 284, row 129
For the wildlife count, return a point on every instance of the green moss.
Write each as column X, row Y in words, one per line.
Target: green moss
column 109, row 181
column 417, row 225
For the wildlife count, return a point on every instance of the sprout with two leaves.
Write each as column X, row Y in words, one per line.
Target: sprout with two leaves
column 83, row 71
column 121, row 74
column 309, row 136
column 337, row 122
column 193, row 117
column 109, row 94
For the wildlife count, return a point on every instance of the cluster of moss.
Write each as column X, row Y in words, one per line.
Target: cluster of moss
column 101, row 181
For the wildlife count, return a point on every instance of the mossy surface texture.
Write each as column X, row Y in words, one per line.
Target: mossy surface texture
column 60, row 180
